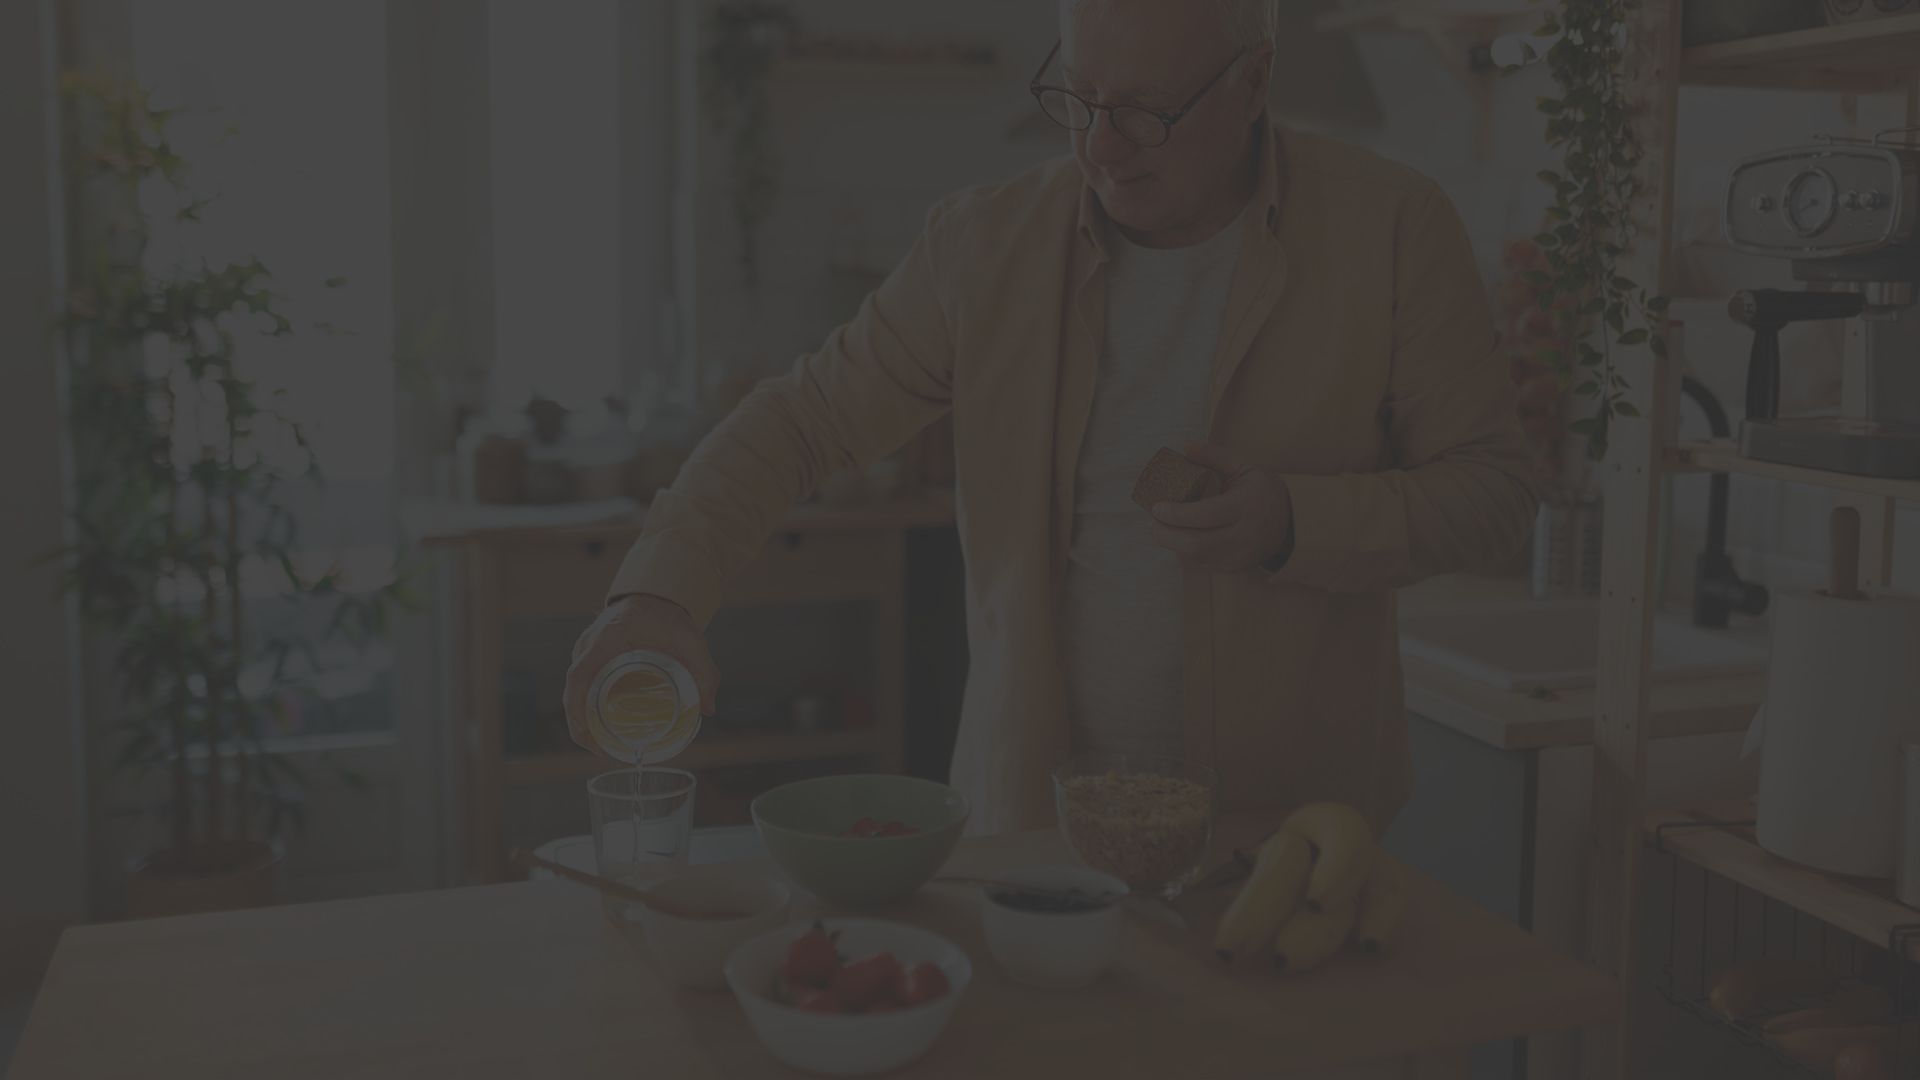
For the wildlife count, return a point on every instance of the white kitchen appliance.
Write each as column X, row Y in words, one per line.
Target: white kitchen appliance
column 1846, row 214
column 1843, row 697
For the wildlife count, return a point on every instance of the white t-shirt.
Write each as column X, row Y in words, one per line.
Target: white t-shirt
column 1122, row 632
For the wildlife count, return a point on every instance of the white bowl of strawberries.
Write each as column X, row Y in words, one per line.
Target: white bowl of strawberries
column 848, row 997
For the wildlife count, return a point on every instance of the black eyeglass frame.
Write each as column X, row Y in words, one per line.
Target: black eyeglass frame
column 1094, row 108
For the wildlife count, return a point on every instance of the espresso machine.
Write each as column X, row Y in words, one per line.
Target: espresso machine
column 1846, row 214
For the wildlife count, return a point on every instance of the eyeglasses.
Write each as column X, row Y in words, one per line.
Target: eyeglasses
column 1140, row 126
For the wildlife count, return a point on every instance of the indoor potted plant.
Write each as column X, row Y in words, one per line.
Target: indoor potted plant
column 1596, row 307
column 182, row 532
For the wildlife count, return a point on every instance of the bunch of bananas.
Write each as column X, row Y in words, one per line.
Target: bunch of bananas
column 1318, row 883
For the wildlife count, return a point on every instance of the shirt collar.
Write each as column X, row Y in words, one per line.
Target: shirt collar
column 1269, row 191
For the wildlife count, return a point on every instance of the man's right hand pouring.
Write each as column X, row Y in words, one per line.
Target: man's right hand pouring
column 628, row 624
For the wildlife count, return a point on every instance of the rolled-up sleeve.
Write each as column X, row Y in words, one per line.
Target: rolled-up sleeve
column 1460, row 494
column 876, row 382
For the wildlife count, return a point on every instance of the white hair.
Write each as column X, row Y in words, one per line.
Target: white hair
column 1248, row 23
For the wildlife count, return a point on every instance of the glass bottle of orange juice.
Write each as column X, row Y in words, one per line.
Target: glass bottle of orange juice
column 643, row 706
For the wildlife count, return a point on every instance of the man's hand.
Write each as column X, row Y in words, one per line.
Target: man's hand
column 1241, row 528
column 627, row 624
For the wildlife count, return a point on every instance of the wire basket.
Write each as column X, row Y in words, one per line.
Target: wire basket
column 1714, row 924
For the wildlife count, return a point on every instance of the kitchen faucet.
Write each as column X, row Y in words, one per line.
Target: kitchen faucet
column 1718, row 591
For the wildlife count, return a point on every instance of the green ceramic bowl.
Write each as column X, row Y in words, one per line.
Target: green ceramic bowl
column 803, row 824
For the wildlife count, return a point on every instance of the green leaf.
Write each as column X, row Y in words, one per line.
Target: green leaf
column 1659, row 347
column 1588, row 389
column 1626, row 408
column 1659, row 305
column 1637, row 336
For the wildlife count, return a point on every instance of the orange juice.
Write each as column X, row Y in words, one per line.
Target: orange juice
column 643, row 706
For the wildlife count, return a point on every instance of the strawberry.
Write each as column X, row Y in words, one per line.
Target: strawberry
column 821, row 1001
column 812, row 959
column 895, row 828
column 924, row 983
column 864, row 982
column 864, row 828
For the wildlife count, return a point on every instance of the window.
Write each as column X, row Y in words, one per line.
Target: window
column 284, row 124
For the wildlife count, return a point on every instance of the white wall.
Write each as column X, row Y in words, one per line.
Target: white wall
column 554, row 85
column 42, row 804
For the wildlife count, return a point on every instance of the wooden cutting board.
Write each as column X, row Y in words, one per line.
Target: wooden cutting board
column 529, row 980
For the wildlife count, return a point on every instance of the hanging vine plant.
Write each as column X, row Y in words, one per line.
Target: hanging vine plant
column 746, row 41
column 1597, row 307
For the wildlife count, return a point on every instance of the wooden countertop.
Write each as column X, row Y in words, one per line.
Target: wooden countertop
column 1515, row 720
column 529, row 980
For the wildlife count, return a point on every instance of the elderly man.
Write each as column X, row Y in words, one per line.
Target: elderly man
column 1302, row 317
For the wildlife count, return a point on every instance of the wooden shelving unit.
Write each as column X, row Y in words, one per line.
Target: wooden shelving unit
column 1877, row 54
column 1865, row 909
column 1722, row 455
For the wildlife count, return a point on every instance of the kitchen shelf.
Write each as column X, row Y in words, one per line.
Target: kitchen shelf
column 825, row 66
column 1866, row 909
column 713, row 752
column 1722, row 455
column 858, row 56
column 1876, row 54
column 1419, row 16
column 447, row 523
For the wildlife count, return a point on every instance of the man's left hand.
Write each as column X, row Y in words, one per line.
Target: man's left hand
column 1242, row 528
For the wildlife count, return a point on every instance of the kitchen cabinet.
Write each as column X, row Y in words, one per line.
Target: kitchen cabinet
column 1500, row 811
column 821, row 615
column 1508, row 829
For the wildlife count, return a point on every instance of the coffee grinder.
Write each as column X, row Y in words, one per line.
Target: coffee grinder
column 1846, row 212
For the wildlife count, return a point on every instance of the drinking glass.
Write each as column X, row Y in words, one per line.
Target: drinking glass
column 642, row 824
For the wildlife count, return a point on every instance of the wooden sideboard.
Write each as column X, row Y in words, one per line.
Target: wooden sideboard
column 521, row 565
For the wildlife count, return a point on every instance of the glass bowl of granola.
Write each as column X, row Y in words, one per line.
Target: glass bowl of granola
column 1146, row 819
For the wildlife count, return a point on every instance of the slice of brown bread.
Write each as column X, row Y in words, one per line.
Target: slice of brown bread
column 1173, row 477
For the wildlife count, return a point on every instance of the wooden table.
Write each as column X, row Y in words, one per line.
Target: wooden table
column 528, row 980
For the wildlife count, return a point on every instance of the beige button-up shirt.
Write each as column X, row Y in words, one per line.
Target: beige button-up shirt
column 1357, row 357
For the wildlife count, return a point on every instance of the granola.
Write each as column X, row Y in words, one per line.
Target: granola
column 1145, row 829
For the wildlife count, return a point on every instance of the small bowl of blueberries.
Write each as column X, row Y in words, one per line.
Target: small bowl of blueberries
column 1053, row 927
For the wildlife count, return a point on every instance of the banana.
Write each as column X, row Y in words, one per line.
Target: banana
column 1766, row 986
column 1818, row 1047
column 1343, row 851
column 1268, row 898
column 1311, row 938
column 1383, row 900
column 1854, row 1004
